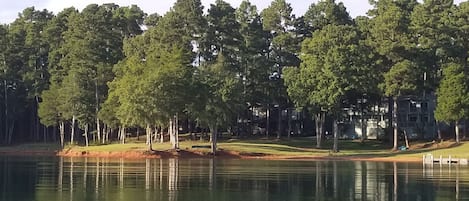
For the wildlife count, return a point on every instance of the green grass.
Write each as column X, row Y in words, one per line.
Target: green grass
column 297, row 147
column 306, row 147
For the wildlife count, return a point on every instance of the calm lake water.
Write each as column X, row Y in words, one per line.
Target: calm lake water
column 79, row 179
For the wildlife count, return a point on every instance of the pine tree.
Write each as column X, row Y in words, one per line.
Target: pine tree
column 453, row 97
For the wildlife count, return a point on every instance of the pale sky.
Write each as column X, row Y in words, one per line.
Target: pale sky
column 9, row 9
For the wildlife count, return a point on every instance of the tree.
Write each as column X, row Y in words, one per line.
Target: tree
column 431, row 22
column 222, row 35
column 332, row 68
column 48, row 111
column 93, row 44
column 453, row 96
column 49, row 108
column 326, row 12
column 165, row 88
column 24, row 62
column 219, row 89
column 123, row 107
column 254, row 66
column 278, row 20
column 400, row 80
column 391, row 38
column 152, row 20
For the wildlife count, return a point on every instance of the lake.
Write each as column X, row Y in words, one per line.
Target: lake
column 93, row 179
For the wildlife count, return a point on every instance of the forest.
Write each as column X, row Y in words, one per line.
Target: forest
column 96, row 75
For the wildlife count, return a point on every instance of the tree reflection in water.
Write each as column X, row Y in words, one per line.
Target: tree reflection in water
column 50, row 179
column 173, row 174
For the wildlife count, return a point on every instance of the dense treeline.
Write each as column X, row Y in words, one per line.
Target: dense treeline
column 108, row 68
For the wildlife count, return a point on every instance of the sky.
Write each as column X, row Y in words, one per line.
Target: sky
column 9, row 9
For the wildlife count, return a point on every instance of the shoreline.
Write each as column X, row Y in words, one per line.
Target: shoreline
column 247, row 150
column 190, row 154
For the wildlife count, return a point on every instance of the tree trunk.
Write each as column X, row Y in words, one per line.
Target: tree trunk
column 155, row 134
column 72, row 135
column 62, row 133
column 202, row 134
column 406, row 140
column 322, row 121
column 104, row 134
column 98, row 130
column 161, row 135
column 289, row 123
column 122, row 134
column 6, row 110
column 318, row 130
column 335, row 131
column 214, row 131
column 439, row 132
column 176, row 131
column 396, row 128
column 172, row 139
column 138, row 134
column 279, row 133
column 108, row 132
column 10, row 132
column 363, row 125
column 46, row 133
column 86, row 135
column 267, row 129
column 456, row 127
column 149, row 141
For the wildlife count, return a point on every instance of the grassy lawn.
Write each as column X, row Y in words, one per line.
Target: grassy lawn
column 302, row 147
column 294, row 148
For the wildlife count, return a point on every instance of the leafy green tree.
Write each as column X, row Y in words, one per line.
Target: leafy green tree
column 254, row 66
column 278, row 20
column 152, row 20
column 182, row 26
column 431, row 21
column 128, row 19
column 123, row 108
column 35, row 75
column 93, row 44
column 219, row 89
column 332, row 68
column 152, row 81
column 48, row 111
column 326, row 12
column 222, row 35
column 459, row 27
column 24, row 63
column 166, row 87
column 3, row 59
column 391, row 37
column 53, row 33
column 453, row 96
column 49, row 108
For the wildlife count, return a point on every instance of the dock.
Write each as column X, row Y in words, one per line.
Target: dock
column 429, row 159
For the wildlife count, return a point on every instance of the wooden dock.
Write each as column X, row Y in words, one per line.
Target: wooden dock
column 429, row 159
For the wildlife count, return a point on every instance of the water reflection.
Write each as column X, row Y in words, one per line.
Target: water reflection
column 447, row 176
column 48, row 179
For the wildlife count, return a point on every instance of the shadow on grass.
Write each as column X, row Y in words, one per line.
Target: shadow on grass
column 406, row 152
column 303, row 145
column 347, row 147
column 280, row 148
